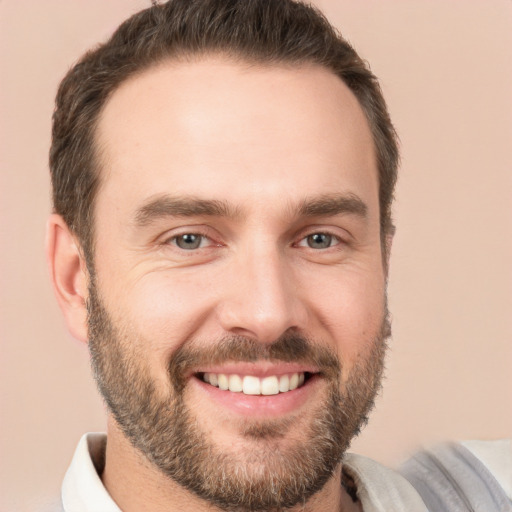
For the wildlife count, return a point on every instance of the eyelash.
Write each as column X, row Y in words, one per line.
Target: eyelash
column 204, row 236
column 335, row 239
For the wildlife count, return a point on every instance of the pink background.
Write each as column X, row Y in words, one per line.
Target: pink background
column 446, row 70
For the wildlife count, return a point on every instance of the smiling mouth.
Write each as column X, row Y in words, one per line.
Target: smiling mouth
column 251, row 385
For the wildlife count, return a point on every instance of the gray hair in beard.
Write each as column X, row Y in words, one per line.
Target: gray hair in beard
column 163, row 429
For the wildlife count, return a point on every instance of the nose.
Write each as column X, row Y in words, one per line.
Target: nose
column 263, row 298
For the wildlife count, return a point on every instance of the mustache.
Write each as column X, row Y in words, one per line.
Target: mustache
column 290, row 347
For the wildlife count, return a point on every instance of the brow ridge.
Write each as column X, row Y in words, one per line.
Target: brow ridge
column 333, row 204
column 189, row 206
column 168, row 206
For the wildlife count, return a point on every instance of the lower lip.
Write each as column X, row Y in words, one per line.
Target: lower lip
column 264, row 406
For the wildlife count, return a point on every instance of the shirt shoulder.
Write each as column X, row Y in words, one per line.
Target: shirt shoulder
column 450, row 477
column 496, row 455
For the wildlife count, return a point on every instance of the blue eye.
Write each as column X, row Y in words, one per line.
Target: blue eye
column 320, row 241
column 189, row 241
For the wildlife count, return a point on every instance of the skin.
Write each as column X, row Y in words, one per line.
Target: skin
column 261, row 139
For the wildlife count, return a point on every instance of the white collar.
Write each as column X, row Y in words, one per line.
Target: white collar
column 82, row 489
column 381, row 489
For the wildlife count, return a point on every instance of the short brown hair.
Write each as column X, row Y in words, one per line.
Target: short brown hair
column 277, row 31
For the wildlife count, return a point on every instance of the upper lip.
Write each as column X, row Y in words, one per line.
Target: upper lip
column 257, row 369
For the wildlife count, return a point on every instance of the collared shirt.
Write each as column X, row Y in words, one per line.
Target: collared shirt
column 497, row 457
column 380, row 489
column 82, row 489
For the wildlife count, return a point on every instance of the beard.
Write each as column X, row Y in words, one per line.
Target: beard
column 265, row 477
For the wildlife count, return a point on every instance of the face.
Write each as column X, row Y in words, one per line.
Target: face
column 237, row 314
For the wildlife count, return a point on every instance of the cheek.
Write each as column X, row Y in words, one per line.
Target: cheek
column 350, row 309
column 165, row 310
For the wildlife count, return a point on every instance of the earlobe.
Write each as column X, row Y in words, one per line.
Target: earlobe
column 68, row 274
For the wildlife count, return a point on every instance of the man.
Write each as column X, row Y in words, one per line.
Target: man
column 222, row 174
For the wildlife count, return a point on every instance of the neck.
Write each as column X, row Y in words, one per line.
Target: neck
column 135, row 484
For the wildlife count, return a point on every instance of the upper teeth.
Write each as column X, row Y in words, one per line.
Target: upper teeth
column 250, row 385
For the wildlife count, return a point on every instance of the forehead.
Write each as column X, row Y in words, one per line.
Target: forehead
column 217, row 127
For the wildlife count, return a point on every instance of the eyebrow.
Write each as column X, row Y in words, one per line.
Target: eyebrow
column 169, row 206
column 331, row 205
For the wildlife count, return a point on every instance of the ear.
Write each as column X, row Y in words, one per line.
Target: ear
column 68, row 274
